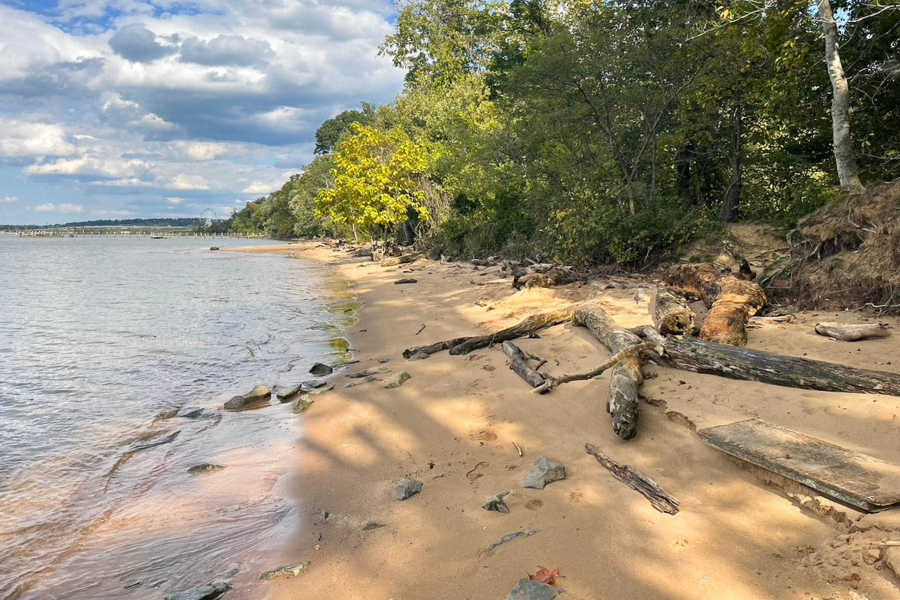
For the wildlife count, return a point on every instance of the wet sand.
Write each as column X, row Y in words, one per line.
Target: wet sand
column 741, row 533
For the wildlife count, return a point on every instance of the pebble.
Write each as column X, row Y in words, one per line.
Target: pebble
column 407, row 488
column 396, row 380
column 527, row 589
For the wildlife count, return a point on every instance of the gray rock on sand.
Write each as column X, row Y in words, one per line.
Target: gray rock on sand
column 527, row 589
column 208, row 591
column 396, row 380
column 302, row 404
column 891, row 560
column 544, row 472
column 284, row 394
column 205, row 468
column 257, row 396
column 321, row 370
column 373, row 525
column 419, row 356
column 292, row 570
column 407, row 488
column 496, row 503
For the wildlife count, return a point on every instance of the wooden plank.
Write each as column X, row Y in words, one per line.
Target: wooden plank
column 844, row 475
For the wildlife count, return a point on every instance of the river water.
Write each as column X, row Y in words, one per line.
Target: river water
column 100, row 338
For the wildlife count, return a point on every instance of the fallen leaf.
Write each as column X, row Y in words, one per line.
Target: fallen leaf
column 545, row 575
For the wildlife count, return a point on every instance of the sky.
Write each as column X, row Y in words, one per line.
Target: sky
column 116, row 109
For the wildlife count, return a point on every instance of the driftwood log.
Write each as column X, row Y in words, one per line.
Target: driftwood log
column 755, row 365
column 393, row 261
column 553, row 382
column 853, row 333
column 671, row 313
column 518, row 362
column 464, row 345
column 649, row 489
column 550, row 278
column 626, row 377
column 731, row 300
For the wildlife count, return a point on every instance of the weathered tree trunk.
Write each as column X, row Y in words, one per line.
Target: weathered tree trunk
column 464, row 345
column 755, row 365
column 848, row 172
column 736, row 186
column 671, row 313
column 626, row 375
column 853, row 333
column 649, row 489
column 393, row 261
column 732, row 300
column 518, row 362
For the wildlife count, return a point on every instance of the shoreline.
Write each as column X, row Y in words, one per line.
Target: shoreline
column 741, row 533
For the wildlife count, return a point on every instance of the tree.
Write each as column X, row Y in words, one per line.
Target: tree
column 377, row 176
column 847, row 170
column 329, row 133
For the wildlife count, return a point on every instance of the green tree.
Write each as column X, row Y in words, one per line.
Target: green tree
column 329, row 133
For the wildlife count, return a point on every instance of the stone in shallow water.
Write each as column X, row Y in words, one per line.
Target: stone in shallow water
column 286, row 393
column 258, row 396
column 321, row 369
column 191, row 412
column 527, row 589
column 397, row 379
column 407, row 488
column 208, row 591
column 544, row 471
column 205, row 468
column 292, row 570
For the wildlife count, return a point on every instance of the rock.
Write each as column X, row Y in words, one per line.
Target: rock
column 419, row 356
column 891, row 559
column 527, row 589
column 302, row 404
column 544, row 471
column 205, row 468
column 321, row 370
column 508, row 537
column 313, row 384
column 257, row 396
column 396, row 380
column 365, row 373
column 871, row 556
column 406, row 281
column 496, row 503
column 407, row 488
column 285, row 394
column 214, row 248
column 209, row 591
column 368, row 379
column 191, row 412
column 372, row 525
column 292, row 570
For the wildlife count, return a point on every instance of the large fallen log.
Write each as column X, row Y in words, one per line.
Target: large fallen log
column 755, row 365
column 626, row 377
column 671, row 313
column 518, row 362
column 464, row 345
column 731, row 300
column 853, row 333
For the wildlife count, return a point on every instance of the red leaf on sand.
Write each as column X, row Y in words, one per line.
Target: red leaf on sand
column 545, row 575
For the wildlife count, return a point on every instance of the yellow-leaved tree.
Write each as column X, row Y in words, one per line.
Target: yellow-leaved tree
column 378, row 178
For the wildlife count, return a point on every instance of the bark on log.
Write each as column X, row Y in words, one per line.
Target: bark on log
column 732, row 300
column 518, row 362
column 626, row 376
column 545, row 279
column 853, row 333
column 671, row 313
column 532, row 324
column 755, row 365
column 464, row 345
column 649, row 489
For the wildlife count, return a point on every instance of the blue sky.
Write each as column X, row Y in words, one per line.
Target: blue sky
column 146, row 108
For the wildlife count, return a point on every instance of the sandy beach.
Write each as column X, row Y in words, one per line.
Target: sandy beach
column 741, row 533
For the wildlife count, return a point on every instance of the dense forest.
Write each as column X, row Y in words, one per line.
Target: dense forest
column 592, row 132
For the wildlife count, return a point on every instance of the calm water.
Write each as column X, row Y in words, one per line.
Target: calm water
column 98, row 337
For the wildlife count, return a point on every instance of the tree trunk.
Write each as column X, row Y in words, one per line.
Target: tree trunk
column 736, row 186
column 848, row 172
column 626, row 376
column 671, row 313
column 755, row 365
column 518, row 362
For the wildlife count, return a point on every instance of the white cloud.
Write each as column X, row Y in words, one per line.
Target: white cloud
column 9, row 199
column 188, row 183
column 45, row 208
column 20, row 139
column 202, row 151
column 260, row 187
column 71, row 209
column 175, row 201
column 113, row 168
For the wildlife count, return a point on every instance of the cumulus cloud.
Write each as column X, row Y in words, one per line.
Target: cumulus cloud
column 71, row 209
column 224, row 50
column 9, row 199
column 175, row 201
column 138, row 44
column 20, row 139
column 259, row 187
column 45, row 208
column 188, row 183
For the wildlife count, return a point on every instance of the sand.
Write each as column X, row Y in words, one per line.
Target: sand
column 741, row 533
